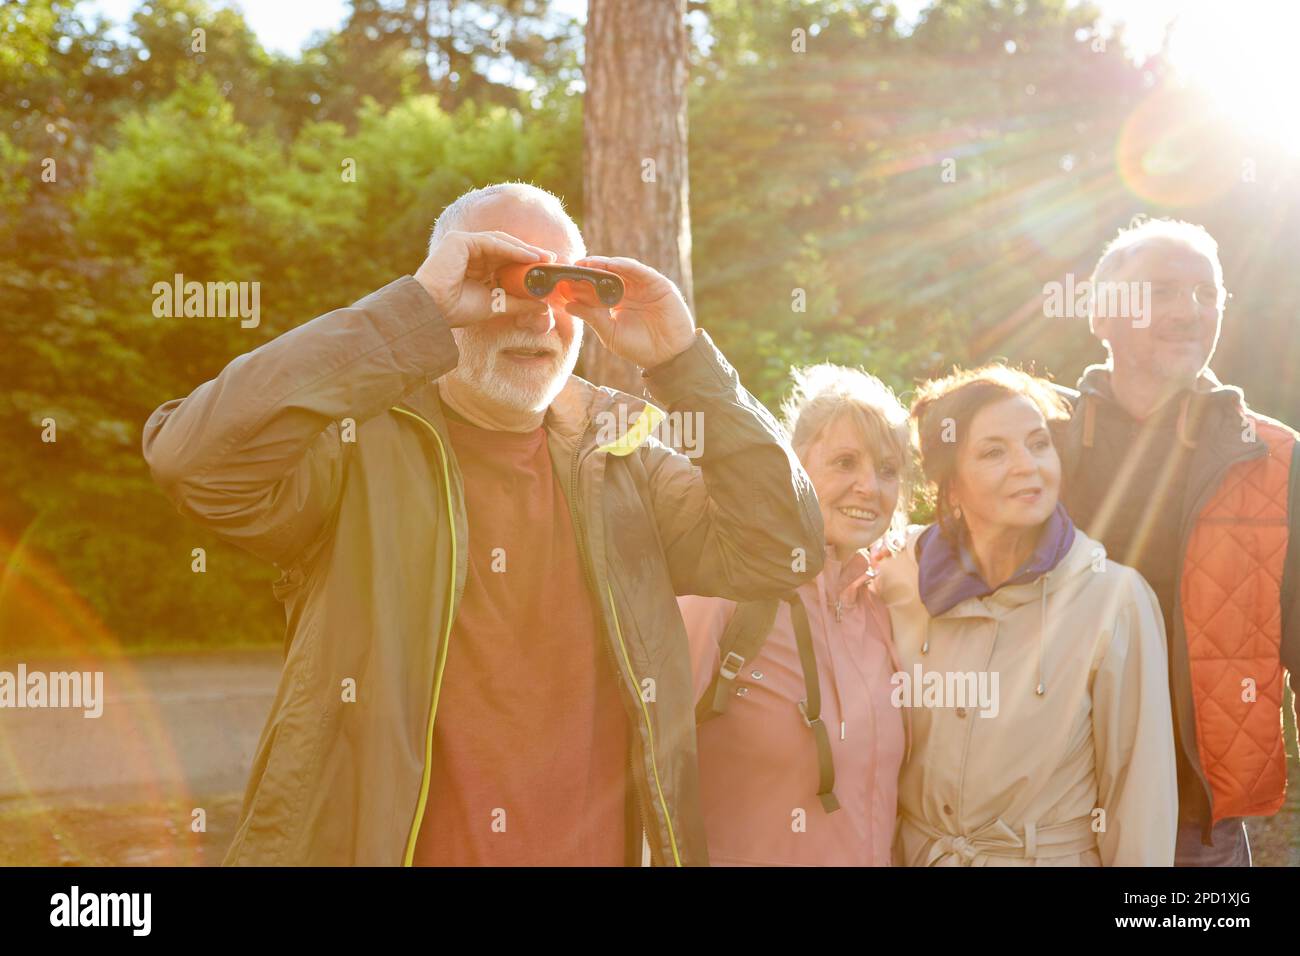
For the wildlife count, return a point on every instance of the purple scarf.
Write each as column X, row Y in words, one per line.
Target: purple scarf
column 949, row 576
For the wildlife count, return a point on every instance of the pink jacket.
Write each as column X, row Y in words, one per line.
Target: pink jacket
column 758, row 761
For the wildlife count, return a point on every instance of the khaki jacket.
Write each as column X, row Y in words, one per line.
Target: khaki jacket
column 1081, row 774
column 370, row 536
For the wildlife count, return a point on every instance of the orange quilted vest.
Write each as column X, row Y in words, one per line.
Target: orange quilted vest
column 1232, row 611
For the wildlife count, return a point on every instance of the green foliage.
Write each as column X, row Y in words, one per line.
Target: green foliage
column 822, row 170
column 319, row 177
column 14, row 186
column 196, row 182
column 23, row 29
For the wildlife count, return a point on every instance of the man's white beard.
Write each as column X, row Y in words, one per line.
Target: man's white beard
column 483, row 371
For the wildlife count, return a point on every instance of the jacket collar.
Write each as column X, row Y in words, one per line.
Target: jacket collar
column 947, row 574
column 899, row 575
column 841, row 582
column 578, row 405
column 1210, row 422
column 1096, row 380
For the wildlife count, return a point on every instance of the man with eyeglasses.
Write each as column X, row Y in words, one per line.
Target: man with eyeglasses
column 1179, row 478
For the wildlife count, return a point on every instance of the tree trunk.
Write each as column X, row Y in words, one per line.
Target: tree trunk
column 635, row 180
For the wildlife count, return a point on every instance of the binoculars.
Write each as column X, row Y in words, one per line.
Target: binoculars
column 538, row 280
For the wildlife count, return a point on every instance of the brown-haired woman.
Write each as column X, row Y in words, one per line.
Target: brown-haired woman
column 1035, row 667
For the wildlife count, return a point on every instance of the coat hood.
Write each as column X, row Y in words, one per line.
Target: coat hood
column 899, row 575
column 1227, row 402
column 947, row 574
column 1095, row 380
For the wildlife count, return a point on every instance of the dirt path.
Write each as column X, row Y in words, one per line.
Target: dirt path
column 177, row 734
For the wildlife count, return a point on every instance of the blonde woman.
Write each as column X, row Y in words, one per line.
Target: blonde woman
column 799, row 746
column 1060, row 751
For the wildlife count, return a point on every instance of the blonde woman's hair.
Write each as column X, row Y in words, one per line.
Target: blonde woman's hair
column 824, row 393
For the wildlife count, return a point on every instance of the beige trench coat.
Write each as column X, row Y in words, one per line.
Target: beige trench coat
column 1081, row 774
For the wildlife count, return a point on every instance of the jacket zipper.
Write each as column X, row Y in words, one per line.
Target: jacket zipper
column 444, row 642
column 408, row 855
column 581, row 535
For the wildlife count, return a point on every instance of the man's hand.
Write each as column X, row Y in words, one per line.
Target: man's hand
column 650, row 326
column 458, row 275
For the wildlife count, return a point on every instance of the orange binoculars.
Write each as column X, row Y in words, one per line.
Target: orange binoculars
column 538, row 280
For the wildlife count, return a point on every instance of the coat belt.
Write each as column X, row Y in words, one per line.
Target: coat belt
column 998, row 838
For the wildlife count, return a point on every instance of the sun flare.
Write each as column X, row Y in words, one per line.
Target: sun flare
column 1243, row 54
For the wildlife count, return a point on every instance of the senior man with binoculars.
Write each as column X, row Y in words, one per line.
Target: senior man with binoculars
column 485, row 664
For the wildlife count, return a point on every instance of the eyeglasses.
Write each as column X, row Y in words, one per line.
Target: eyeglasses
column 1203, row 294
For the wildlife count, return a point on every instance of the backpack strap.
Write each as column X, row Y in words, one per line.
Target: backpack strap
column 811, row 705
column 743, row 638
column 740, row 642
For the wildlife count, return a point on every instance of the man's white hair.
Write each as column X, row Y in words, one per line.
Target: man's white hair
column 457, row 212
column 1142, row 231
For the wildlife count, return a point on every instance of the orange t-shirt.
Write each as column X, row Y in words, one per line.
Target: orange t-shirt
column 530, row 748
